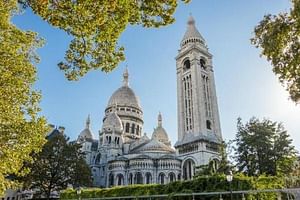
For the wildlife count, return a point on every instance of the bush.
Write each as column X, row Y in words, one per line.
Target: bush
column 200, row 184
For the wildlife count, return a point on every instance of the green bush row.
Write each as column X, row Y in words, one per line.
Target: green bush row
column 199, row 184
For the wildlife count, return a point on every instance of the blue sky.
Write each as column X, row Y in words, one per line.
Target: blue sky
column 246, row 85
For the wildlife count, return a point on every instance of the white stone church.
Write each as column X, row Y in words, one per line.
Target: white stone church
column 124, row 156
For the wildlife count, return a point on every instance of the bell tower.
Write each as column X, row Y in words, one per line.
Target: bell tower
column 199, row 132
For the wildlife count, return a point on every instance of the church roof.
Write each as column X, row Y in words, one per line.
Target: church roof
column 155, row 146
column 124, row 96
column 191, row 32
column 190, row 137
column 139, row 142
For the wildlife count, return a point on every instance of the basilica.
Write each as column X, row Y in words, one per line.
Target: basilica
column 124, row 155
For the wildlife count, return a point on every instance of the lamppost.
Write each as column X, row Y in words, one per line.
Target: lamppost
column 229, row 178
column 78, row 192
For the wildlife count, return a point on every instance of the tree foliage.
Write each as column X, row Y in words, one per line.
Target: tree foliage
column 279, row 38
column 264, row 147
column 22, row 131
column 96, row 27
column 58, row 164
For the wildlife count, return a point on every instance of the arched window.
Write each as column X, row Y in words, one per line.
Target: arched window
column 130, row 179
column 208, row 124
column 138, row 179
column 188, row 169
column 161, row 178
column 186, row 65
column 111, row 180
column 148, row 178
column 132, row 128
column 120, row 179
column 172, row 177
column 202, row 63
column 127, row 127
column 137, row 129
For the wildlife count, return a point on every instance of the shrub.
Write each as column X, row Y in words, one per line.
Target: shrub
column 199, row 184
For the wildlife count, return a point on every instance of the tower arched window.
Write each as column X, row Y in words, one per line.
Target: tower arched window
column 208, row 124
column 127, row 127
column 186, row 65
column 202, row 63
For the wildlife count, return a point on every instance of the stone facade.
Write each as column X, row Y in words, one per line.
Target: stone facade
column 124, row 156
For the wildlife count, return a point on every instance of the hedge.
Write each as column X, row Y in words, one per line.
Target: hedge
column 199, row 184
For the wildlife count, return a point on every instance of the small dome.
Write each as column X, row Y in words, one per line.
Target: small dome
column 113, row 122
column 86, row 133
column 160, row 133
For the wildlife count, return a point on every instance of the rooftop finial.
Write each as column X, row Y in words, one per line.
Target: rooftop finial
column 159, row 119
column 88, row 122
column 191, row 20
column 125, row 77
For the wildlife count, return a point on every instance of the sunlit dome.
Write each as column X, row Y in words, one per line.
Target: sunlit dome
column 124, row 96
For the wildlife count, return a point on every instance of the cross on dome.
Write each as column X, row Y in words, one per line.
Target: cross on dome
column 159, row 120
column 88, row 122
column 125, row 77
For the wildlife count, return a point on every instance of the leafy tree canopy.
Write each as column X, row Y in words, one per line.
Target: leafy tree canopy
column 96, row 27
column 279, row 38
column 22, row 131
column 58, row 164
column 263, row 147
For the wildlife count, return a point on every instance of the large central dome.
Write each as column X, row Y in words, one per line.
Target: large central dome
column 124, row 96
